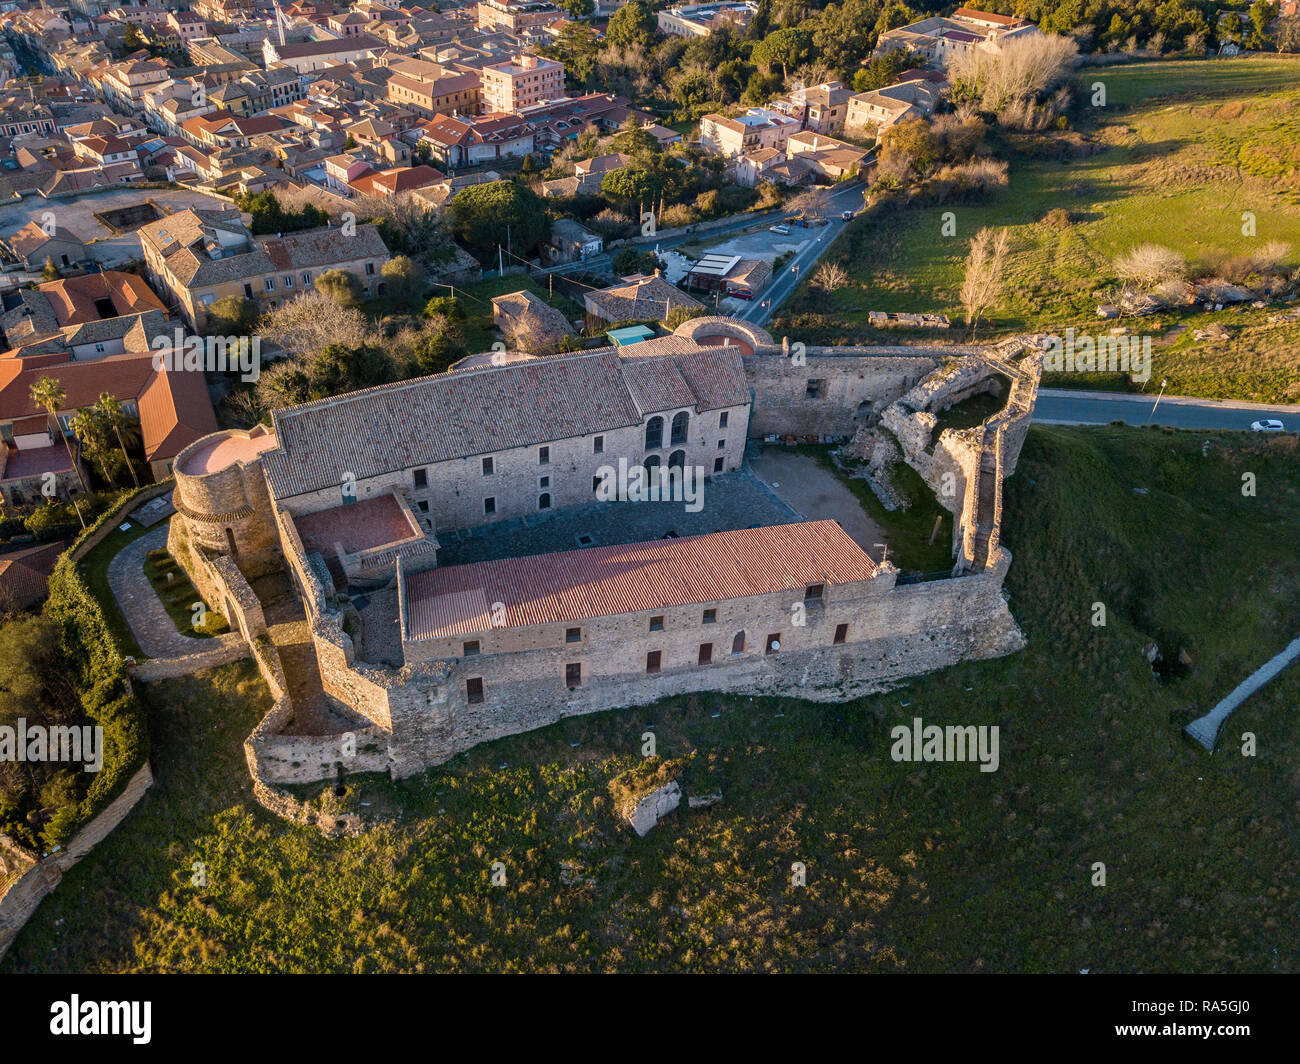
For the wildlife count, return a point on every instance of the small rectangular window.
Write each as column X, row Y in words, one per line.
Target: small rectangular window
column 487, row 467
column 773, row 644
column 710, row 617
column 474, row 690
column 722, row 420
column 652, row 661
column 813, row 593
column 543, row 482
column 423, row 506
column 421, row 478
column 370, row 267
column 470, row 649
column 288, row 280
column 573, row 674
column 706, row 653
column 270, row 284
column 717, row 465
column 598, row 445
column 573, row 635
column 656, row 624
column 816, row 388
column 306, row 278
column 543, row 456
column 722, row 445
column 490, row 505
column 841, row 633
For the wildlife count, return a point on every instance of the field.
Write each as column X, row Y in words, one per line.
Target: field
column 1182, row 151
column 910, row 867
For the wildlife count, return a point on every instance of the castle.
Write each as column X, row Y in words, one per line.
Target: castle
column 409, row 518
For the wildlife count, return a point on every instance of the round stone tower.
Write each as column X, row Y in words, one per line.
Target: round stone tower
column 222, row 497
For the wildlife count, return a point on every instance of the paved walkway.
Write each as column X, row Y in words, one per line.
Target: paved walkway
column 1205, row 730
column 143, row 609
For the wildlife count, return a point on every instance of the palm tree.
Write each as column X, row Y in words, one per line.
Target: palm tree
column 48, row 393
column 90, row 430
column 108, row 407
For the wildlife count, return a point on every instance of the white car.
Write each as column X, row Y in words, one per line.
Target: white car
column 779, row 230
column 1267, row 425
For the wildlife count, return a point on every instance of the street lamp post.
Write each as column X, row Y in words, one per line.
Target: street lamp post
column 1163, row 384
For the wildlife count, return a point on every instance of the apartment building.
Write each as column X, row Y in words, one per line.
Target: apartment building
column 524, row 81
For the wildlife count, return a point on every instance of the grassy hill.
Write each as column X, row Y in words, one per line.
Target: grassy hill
column 911, row 867
column 1176, row 156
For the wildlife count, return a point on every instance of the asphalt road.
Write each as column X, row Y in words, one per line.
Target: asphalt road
column 844, row 198
column 1058, row 406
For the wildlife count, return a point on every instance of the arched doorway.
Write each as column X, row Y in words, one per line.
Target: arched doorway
column 738, row 644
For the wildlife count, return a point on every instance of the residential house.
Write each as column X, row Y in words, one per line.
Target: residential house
column 572, row 242
column 196, row 257
column 759, row 127
column 32, row 245
column 457, row 142
column 638, row 298
column 529, row 323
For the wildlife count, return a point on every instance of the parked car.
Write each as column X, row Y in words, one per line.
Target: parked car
column 779, row 230
column 1270, row 424
column 740, row 293
column 846, row 215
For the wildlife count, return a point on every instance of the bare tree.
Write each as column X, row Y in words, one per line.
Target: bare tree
column 982, row 285
column 1149, row 265
column 314, row 321
column 831, row 276
column 1019, row 69
column 813, row 203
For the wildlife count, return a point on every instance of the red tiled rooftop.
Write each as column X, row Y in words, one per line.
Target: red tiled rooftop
column 601, row 581
column 35, row 461
column 359, row 526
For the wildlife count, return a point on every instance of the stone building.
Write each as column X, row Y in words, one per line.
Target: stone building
column 375, row 502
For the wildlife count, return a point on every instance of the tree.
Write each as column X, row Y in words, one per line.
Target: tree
column 909, row 147
column 576, row 49
column 1022, row 68
column 1150, row 265
column 232, row 316
column 812, row 203
column 313, row 321
column 49, row 271
column 831, row 276
column 48, row 394
column 110, row 409
column 785, row 48
column 133, row 40
column 338, row 369
column 983, row 281
column 403, row 278
column 631, row 25
column 341, row 286
column 499, row 213
column 881, row 71
column 633, row 188
column 91, row 430
column 630, row 260
column 1262, row 14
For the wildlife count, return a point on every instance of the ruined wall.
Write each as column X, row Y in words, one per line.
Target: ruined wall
column 856, row 384
column 219, row 582
column 23, row 894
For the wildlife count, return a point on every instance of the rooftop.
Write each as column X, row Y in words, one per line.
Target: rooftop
column 602, row 581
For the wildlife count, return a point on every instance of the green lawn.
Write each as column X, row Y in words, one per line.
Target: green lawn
column 910, row 867
column 178, row 598
column 94, row 568
column 1170, row 170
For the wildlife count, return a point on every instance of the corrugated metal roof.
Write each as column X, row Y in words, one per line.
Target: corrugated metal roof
column 601, row 581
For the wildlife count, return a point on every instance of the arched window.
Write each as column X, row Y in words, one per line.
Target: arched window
column 651, row 462
column 680, row 424
column 654, row 433
column 738, row 644
column 544, row 501
column 677, row 459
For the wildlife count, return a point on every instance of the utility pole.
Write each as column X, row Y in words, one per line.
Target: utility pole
column 501, row 269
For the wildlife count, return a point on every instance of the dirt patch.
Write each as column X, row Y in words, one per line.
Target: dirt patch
column 803, row 483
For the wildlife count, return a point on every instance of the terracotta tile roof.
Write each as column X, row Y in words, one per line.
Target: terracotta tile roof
column 32, row 237
column 73, row 298
column 473, row 412
column 175, row 410
column 602, row 581
column 25, row 575
column 359, row 526
column 27, row 462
